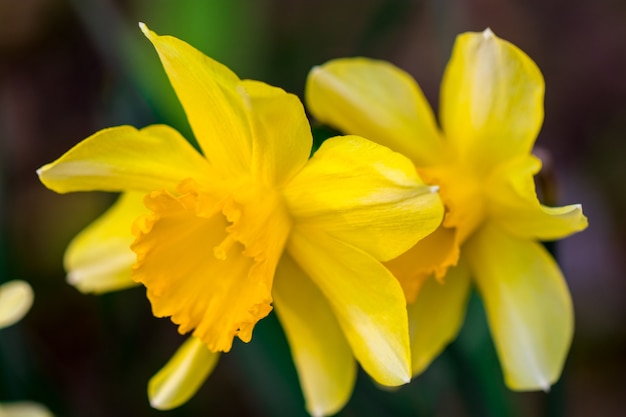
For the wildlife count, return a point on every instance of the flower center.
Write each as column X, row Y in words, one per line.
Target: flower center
column 462, row 192
column 207, row 258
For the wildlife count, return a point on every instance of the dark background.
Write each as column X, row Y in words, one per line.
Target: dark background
column 71, row 67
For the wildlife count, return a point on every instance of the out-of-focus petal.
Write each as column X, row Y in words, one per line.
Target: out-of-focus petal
column 182, row 376
column 432, row 255
column 366, row 195
column 16, row 299
column 281, row 135
column 322, row 356
column 367, row 300
column 491, row 99
column 99, row 258
column 376, row 100
column 24, row 409
column 210, row 94
column 436, row 316
column 528, row 306
column 123, row 158
column 514, row 205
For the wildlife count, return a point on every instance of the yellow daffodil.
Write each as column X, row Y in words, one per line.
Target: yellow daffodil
column 250, row 224
column 491, row 113
column 16, row 299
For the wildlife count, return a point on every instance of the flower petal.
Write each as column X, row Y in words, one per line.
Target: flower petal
column 436, row 316
column 515, row 207
column 99, row 258
column 182, row 376
column 376, row 100
column 366, row 299
column 24, row 409
column 322, row 356
column 209, row 93
column 16, row 299
column 432, row 255
column 124, row 158
column 366, row 195
column 491, row 99
column 208, row 262
column 528, row 306
column 280, row 130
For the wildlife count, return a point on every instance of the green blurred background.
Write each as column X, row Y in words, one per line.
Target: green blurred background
column 71, row 67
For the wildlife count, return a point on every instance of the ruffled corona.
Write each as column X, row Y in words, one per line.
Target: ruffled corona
column 213, row 244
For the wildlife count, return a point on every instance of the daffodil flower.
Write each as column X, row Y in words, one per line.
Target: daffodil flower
column 250, row 224
column 491, row 112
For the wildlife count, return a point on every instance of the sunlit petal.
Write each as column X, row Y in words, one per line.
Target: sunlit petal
column 366, row 298
column 491, row 99
column 280, row 132
column 99, row 258
column 182, row 376
column 436, row 316
column 353, row 188
column 432, row 255
column 208, row 91
column 16, row 299
column 528, row 306
column 515, row 207
column 124, row 158
column 376, row 100
column 322, row 356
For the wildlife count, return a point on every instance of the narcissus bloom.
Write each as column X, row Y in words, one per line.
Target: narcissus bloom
column 491, row 112
column 249, row 224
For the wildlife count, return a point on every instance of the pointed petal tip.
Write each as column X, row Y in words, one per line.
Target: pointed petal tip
column 143, row 28
column 488, row 33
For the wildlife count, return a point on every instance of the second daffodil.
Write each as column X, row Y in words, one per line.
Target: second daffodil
column 491, row 112
column 251, row 223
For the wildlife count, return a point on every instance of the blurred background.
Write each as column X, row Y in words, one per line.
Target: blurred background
column 71, row 67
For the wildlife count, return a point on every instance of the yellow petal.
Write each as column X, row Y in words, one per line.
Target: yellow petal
column 209, row 93
column 436, row 316
column 323, row 358
column 280, row 130
column 491, row 99
column 514, row 205
column 182, row 376
column 24, row 409
column 528, row 306
column 208, row 261
column 366, row 195
column 16, row 298
column 366, row 299
column 124, row 158
column 432, row 255
column 99, row 259
column 376, row 100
